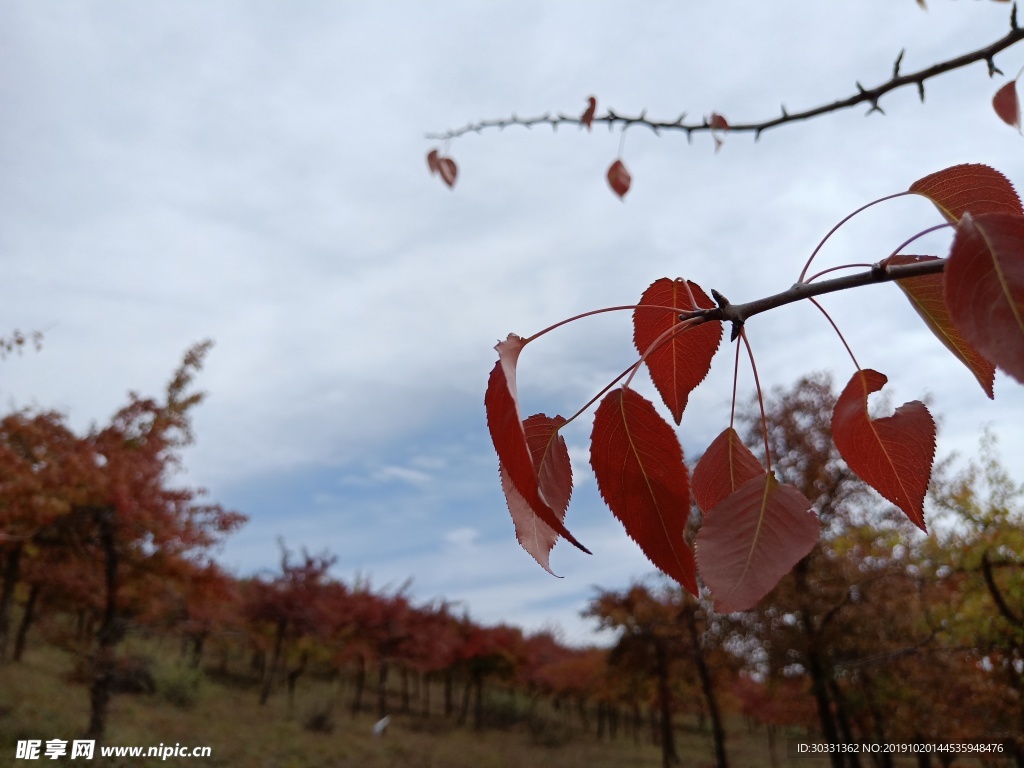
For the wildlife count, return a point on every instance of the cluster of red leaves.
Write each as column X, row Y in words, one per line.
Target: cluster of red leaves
column 754, row 527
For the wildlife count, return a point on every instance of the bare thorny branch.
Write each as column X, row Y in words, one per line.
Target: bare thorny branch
column 864, row 95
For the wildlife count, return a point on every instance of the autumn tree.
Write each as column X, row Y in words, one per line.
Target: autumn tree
column 105, row 507
column 661, row 636
column 292, row 606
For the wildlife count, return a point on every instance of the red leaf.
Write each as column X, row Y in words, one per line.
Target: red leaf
column 433, row 156
column 718, row 123
column 588, row 116
column 894, row 454
column 926, row 294
column 1007, row 105
column 752, row 539
column 680, row 364
column 970, row 189
column 639, row 467
column 619, row 178
column 985, row 287
column 725, row 466
column 447, row 170
column 554, row 474
column 509, row 436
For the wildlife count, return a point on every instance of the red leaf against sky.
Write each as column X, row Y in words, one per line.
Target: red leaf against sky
column 718, row 123
column 639, row 467
column 893, row 454
column 970, row 188
column 751, row 539
column 985, row 287
column 447, row 170
column 725, row 466
column 443, row 166
column 926, row 294
column 619, row 178
column 1007, row 105
column 554, row 475
column 509, row 436
column 588, row 116
column 432, row 157
column 680, row 364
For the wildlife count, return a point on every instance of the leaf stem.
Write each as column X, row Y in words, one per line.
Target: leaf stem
column 760, row 401
column 837, row 226
column 836, row 329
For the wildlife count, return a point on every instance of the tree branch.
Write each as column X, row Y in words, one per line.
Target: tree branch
column 863, row 95
column 737, row 314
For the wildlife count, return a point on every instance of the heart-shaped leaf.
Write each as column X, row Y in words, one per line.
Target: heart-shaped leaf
column 751, row 539
column 984, row 287
column 681, row 363
column 893, row 454
column 639, row 467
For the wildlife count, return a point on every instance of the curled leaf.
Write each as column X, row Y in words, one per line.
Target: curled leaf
column 927, row 297
column 447, row 170
column 443, row 166
column 433, row 156
column 1007, row 105
column 679, row 364
column 588, row 116
column 752, row 538
column 554, row 477
column 984, row 287
column 639, row 467
column 509, row 436
column 893, row 454
column 619, row 178
column 718, row 123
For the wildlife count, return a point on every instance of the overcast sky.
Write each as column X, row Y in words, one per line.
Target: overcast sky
column 254, row 173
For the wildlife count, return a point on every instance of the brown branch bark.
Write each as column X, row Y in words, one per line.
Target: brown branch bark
column 737, row 314
column 863, row 96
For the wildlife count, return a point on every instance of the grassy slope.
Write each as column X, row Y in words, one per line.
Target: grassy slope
column 37, row 702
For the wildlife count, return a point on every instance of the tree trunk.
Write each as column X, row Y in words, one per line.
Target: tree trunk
column 109, row 633
column 669, row 757
column 12, row 569
column 819, row 688
column 271, row 672
column 382, row 690
column 707, row 686
column 357, row 697
column 26, row 621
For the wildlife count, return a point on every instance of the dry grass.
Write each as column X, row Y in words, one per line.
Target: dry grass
column 37, row 702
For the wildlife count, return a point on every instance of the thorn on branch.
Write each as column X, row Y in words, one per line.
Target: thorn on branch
column 920, row 90
column 785, row 114
column 875, row 108
column 992, row 68
column 1013, row 18
column 896, row 66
